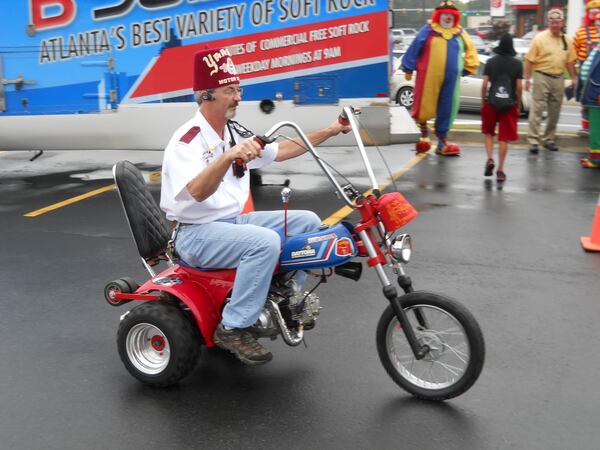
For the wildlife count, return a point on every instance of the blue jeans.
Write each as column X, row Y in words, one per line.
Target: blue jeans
column 249, row 243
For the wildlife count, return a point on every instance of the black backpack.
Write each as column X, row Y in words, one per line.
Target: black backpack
column 501, row 95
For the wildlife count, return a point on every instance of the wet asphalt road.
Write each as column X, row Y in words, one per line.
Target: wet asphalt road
column 510, row 253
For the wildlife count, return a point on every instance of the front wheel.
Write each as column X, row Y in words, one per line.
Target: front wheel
column 158, row 344
column 457, row 349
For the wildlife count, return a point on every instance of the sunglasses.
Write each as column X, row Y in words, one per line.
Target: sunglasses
column 231, row 90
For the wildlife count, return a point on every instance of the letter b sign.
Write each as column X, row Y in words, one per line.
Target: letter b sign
column 51, row 13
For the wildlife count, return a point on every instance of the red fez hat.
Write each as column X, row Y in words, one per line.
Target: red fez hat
column 213, row 68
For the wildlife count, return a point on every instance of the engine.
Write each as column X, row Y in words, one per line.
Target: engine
column 301, row 308
column 287, row 311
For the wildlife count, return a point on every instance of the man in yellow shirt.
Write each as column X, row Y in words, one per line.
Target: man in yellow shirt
column 551, row 52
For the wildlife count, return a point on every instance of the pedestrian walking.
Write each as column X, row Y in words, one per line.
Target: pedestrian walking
column 550, row 53
column 588, row 93
column 585, row 39
column 501, row 103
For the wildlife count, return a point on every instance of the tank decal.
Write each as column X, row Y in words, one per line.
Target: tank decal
column 309, row 256
column 344, row 247
column 328, row 247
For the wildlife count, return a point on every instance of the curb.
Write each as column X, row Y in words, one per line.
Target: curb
column 567, row 142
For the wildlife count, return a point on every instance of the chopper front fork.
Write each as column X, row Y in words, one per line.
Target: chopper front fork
column 418, row 350
column 391, row 293
column 405, row 283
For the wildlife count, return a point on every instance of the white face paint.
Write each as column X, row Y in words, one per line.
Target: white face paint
column 597, row 23
column 446, row 20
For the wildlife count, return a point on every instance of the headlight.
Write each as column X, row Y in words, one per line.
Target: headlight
column 401, row 248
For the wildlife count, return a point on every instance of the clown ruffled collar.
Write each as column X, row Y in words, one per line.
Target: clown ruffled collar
column 446, row 33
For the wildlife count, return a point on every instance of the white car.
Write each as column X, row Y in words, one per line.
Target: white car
column 405, row 43
column 520, row 45
column 480, row 44
column 400, row 36
column 528, row 37
column 402, row 91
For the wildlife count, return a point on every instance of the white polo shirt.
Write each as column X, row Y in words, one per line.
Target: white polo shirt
column 191, row 149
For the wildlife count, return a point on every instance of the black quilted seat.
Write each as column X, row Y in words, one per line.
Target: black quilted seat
column 145, row 218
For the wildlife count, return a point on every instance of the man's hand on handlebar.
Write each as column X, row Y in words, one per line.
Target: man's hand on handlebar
column 337, row 128
column 247, row 150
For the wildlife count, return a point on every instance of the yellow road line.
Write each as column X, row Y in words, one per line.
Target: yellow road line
column 153, row 177
column 331, row 220
column 41, row 211
column 344, row 212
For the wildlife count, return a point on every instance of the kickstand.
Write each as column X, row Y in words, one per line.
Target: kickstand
column 37, row 155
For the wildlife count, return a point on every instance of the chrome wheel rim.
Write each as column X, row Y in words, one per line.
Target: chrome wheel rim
column 148, row 348
column 406, row 98
column 448, row 359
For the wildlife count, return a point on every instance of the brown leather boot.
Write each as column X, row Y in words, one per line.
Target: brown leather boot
column 243, row 345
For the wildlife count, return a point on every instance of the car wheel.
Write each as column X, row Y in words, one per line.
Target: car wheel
column 405, row 97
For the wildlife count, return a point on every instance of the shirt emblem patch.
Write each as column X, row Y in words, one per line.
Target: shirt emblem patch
column 190, row 135
column 208, row 154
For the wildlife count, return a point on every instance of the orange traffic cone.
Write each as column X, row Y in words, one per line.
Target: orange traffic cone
column 249, row 206
column 591, row 243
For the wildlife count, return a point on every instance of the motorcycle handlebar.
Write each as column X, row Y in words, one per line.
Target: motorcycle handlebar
column 343, row 117
column 239, row 166
column 348, row 113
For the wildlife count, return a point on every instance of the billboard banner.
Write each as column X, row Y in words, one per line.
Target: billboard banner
column 86, row 55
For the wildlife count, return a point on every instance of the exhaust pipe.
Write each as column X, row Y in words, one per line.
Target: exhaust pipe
column 352, row 270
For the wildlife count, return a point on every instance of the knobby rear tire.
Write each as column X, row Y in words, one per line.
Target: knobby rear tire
column 157, row 343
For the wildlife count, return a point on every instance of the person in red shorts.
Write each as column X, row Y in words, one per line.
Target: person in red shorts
column 501, row 103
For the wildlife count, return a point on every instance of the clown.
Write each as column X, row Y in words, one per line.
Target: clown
column 441, row 52
column 586, row 38
column 588, row 93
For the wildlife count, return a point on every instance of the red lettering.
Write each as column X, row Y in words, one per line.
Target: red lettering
column 39, row 13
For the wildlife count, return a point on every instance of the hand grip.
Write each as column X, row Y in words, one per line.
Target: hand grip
column 343, row 117
column 263, row 140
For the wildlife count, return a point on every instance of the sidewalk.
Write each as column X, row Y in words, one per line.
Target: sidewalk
column 403, row 130
column 567, row 142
